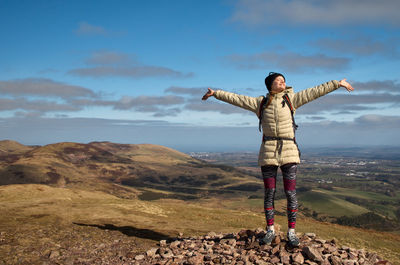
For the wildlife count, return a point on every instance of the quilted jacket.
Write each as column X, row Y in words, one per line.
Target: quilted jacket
column 277, row 120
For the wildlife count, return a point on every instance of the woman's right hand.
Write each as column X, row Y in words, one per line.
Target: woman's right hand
column 209, row 93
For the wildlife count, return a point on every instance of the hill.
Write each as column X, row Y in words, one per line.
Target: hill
column 43, row 224
column 104, row 166
column 104, row 202
column 9, row 147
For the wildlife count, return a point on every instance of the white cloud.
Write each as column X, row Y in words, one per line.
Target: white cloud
column 90, row 30
column 146, row 101
column 289, row 62
column 105, row 57
column 364, row 46
column 44, row 88
column 192, row 91
column 311, row 12
column 129, row 71
column 41, row 106
column 346, row 102
column 365, row 130
column 111, row 64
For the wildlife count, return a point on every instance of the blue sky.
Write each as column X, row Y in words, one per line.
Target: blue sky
column 135, row 71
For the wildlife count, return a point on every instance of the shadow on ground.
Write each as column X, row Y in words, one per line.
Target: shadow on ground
column 131, row 231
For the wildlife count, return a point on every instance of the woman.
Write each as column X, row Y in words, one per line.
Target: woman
column 279, row 147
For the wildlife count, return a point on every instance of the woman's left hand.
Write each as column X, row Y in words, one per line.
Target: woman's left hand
column 345, row 84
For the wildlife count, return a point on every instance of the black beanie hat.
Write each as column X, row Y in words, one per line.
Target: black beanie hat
column 270, row 79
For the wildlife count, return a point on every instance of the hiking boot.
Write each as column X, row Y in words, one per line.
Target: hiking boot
column 269, row 236
column 292, row 239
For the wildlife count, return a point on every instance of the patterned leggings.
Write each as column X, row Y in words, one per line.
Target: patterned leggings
column 289, row 182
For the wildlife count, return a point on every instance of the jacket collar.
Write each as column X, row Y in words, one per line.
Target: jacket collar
column 287, row 90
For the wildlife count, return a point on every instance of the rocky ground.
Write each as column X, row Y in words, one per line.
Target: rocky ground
column 244, row 248
column 86, row 245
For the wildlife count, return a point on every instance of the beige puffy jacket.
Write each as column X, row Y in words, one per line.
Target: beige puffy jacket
column 277, row 120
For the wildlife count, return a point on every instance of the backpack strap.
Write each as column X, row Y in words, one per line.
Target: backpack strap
column 260, row 110
column 286, row 100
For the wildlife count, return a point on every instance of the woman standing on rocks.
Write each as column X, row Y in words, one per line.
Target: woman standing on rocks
column 279, row 147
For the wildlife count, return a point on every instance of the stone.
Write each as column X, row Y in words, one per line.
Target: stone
column 310, row 262
column 276, row 240
column 54, row 254
column 335, row 260
column 298, row 257
column 139, row 257
column 285, row 258
column 266, row 248
column 312, row 235
column 242, row 233
column 228, row 249
column 348, row 262
column 253, row 244
column 382, row 262
column 275, row 250
column 175, row 244
column 227, row 252
column 211, row 234
column 166, row 253
column 329, row 248
column 261, row 262
column 253, row 258
column 259, row 231
column 353, row 256
column 231, row 242
column 275, row 260
column 372, row 257
column 195, row 260
column 325, row 262
column 163, row 243
column 151, row 252
column 312, row 253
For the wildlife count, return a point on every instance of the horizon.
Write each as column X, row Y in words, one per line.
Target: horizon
column 255, row 151
column 135, row 71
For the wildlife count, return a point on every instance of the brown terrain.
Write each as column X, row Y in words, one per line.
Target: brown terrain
column 107, row 203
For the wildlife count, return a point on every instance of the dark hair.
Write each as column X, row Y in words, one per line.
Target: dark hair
column 270, row 79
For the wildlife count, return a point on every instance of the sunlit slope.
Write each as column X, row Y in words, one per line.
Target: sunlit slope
column 145, row 165
column 30, row 208
column 13, row 147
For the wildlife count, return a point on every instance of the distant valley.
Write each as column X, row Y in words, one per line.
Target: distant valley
column 68, row 199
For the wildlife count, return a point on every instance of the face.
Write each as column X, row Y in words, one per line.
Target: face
column 278, row 85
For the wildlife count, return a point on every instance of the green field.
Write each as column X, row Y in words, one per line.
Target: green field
column 325, row 203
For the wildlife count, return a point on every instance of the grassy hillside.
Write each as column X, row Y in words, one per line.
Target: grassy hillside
column 9, row 147
column 97, row 164
column 38, row 220
column 325, row 203
column 69, row 198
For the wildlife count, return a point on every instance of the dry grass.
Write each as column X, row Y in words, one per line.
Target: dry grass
column 33, row 207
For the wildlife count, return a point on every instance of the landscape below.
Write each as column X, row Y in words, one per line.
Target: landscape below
column 69, row 201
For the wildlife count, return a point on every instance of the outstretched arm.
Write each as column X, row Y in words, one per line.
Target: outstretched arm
column 313, row 93
column 245, row 102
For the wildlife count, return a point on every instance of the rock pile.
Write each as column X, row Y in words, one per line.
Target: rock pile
column 244, row 248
